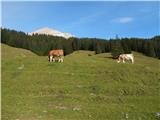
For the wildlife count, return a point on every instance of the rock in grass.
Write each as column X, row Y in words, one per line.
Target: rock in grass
column 126, row 116
column 21, row 67
column 76, row 108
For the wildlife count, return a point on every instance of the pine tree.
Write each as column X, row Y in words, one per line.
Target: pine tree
column 98, row 49
column 156, row 43
column 126, row 48
column 151, row 51
column 116, row 48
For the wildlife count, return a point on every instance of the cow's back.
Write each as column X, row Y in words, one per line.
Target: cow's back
column 129, row 55
column 56, row 53
column 126, row 56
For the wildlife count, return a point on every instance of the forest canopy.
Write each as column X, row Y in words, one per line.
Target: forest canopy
column 42, row 44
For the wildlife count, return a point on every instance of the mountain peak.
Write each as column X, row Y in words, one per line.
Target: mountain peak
column 53, row 32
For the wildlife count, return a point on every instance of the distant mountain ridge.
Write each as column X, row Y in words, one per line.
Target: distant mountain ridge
column 53, row 32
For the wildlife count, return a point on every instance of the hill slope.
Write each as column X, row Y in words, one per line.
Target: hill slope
column 82, row 88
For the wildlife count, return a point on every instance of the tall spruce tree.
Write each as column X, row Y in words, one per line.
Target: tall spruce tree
column 126, row 47
column 151, row 51
column 116, row 48
column 98, row 49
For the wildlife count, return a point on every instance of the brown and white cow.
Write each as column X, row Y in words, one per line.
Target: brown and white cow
column 124, row 57
column 54, row 54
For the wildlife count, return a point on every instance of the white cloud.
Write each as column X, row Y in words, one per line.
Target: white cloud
column 123, row 20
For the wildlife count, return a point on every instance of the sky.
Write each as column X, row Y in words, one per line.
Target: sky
column 91, row 19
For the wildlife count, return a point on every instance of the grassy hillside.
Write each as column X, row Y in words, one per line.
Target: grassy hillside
column 82, row 88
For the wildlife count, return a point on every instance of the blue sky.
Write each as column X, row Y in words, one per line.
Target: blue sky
column 85, row 19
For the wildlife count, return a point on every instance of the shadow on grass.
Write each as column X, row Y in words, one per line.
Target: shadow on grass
column 114, row 58
column 53, row 63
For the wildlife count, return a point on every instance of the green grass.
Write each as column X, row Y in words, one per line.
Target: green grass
column 82, row 88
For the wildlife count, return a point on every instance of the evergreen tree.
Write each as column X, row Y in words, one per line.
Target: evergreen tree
column 150, row 49
column 125, row 47
column 98, row 49
column 116, row 48
column 156, row 44
column 107, row 47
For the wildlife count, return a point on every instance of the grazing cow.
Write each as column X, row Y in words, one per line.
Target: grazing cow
column 124, row 57
column 55, row 53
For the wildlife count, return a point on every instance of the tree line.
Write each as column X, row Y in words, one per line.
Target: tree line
column 42, row 44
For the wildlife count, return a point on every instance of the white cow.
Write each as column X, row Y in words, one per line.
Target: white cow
column 124, row 57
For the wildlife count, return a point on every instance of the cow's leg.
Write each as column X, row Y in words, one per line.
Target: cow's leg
column 58, row 59
column 132, row 60
column 50, row 58
column 62, row 58
column 123, row 61
column 53, row 59
column 119, row 60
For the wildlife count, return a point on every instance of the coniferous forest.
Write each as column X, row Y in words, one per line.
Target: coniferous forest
column 42, row 44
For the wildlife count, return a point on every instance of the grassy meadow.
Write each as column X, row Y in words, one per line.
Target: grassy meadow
column 84, row 87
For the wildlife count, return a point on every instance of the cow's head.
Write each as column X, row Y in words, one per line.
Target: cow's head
column 118, row 61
